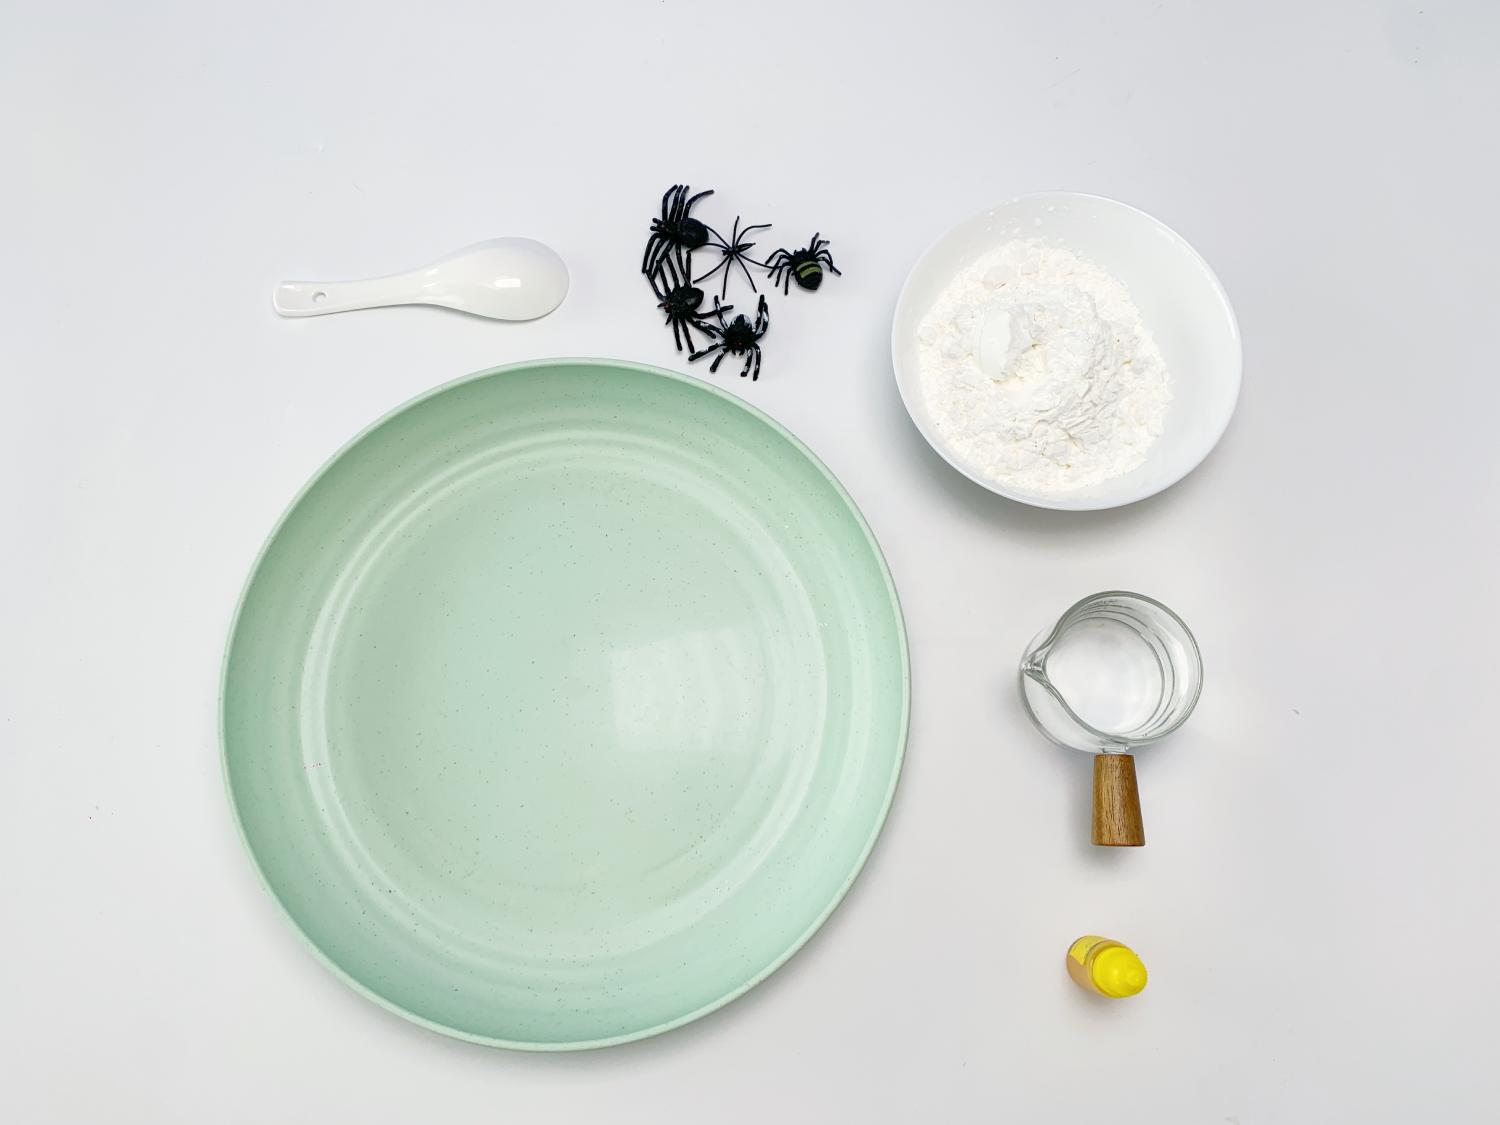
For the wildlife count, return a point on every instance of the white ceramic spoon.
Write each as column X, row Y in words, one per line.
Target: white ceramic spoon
column 504, row 278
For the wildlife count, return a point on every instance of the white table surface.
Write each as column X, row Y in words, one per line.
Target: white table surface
column 1319, row 903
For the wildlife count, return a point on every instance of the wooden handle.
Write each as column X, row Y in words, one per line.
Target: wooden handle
column 1117, row 802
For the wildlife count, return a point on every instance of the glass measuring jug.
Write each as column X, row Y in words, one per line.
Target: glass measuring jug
column 1117, row 671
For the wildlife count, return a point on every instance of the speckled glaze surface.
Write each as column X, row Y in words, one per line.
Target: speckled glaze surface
column 564, row 704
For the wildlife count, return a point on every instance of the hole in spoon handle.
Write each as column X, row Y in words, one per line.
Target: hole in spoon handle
column 1117, row 803
column 314, row 298
column 305, row 298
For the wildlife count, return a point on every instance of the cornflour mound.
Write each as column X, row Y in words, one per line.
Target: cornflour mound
column 1038, row 373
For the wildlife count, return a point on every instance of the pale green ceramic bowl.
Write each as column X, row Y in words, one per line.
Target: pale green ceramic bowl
column 564, row 704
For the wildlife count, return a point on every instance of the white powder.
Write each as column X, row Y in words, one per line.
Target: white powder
column 1036, row 369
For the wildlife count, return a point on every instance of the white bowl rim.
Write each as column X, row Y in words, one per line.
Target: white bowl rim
column 1061, row 501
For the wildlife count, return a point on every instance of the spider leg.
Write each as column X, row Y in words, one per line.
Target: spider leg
column 688, row 206
column 675, row 268
column 705, row 325
column 676, row 333
column 693, row 322
column 718, row 359
column 659, row 254
column 660, row 247
column 705, row 352
column 685, row 265
column 740, row 258
column 762, row 317
column 704, row 276
column 666, row 213
column 708, row 328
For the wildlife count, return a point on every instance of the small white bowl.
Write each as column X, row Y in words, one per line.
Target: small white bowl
column 1180, row 300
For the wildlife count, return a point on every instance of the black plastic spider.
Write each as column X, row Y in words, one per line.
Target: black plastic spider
column 676, row 229
column 804, row 265
column 738, row 337
column 679, row 299
column 732, row 253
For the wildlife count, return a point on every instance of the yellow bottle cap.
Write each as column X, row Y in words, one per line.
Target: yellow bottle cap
column 1117, row 971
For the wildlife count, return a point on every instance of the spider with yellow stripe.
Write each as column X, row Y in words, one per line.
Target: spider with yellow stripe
column 805, row 266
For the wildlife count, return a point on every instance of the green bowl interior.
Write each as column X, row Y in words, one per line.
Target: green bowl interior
column 564, row 704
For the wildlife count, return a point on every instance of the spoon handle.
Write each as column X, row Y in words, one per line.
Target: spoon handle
column 314, row 298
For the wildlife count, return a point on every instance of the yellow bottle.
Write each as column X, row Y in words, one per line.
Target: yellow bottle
column 1106, row 967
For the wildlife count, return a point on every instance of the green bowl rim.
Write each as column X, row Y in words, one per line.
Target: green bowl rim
column 801, row 939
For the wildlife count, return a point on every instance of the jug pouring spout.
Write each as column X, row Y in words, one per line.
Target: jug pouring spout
column 1034, row 663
